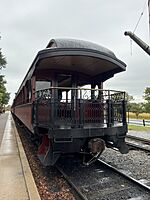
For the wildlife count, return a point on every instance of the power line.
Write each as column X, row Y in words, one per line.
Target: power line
column 143, row 10
column 144, row 7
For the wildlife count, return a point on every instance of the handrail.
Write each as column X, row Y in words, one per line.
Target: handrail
column 79, row 88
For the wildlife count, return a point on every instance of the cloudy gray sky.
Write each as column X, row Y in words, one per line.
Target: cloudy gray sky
column 27, row 26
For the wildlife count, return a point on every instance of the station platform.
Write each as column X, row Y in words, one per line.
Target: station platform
column 16, row 180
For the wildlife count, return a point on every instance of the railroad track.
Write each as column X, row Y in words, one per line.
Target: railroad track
column 146, row 141
column 77, row 192
column 102, row 181
column 138, row 143
column 99, row 181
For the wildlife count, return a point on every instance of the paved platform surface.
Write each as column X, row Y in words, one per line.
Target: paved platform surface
column 16, row 180
column 140, row 134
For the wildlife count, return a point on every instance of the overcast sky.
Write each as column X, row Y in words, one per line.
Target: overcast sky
column 27, row 26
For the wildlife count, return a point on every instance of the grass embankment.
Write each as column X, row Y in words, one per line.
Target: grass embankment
column 138, row 128
column 145, row 116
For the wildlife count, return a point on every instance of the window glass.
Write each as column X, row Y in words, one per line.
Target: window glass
column 42, row 85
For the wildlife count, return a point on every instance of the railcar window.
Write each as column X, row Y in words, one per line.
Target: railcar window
column 28, row 91
column 42, row 85
column 23, row 94
column 42, row 89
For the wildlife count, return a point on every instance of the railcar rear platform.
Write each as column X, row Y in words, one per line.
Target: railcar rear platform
column 16, row 180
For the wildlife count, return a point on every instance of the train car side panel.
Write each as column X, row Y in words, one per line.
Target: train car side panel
column 24, row 113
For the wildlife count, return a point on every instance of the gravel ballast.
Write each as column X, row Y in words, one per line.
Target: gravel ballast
column 50, row 183
column 135, row 163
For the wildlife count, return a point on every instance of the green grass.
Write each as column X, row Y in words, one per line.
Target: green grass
column 138, row 128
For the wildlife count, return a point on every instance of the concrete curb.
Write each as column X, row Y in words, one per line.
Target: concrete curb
column 30, row 183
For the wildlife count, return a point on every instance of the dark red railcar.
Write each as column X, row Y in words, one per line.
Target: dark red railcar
column 62, row 101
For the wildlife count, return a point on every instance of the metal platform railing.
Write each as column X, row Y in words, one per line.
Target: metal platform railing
column 80, row 107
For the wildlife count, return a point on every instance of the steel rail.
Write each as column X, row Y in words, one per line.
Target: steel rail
column 146, row 187
column 73, row 186
column 137, row 146
column 129, row 178
column 147, row 142
column 138, row 139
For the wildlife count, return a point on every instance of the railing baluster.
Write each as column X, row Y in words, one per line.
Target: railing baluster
column 80, row 109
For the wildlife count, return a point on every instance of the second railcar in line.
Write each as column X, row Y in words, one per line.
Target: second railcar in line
column 62, row 101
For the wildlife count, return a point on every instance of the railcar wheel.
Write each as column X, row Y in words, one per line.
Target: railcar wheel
column 45, row 152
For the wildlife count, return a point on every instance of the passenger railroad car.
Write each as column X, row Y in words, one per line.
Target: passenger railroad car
column 64, row 105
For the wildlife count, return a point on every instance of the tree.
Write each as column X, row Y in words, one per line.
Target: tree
column 147, row 94
column 4, row 95
column 129, row 98
column 147, row 99
column 2, row 59
column 136, row 108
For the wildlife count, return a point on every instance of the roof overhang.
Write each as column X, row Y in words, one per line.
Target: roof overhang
column 92, row 63
column 86, row 61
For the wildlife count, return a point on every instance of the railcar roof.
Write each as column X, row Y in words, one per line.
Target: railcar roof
column 79, row 56
column 74, row 43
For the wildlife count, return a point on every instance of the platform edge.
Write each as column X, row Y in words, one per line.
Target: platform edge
column 30, row 183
